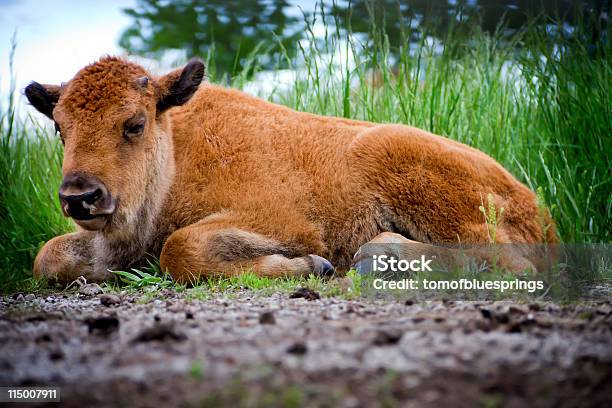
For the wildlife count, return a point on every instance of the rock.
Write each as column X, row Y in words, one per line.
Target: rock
column 486, row 313
column 534, row 307
column 494, row 316
column 160, row 332
column 56, row 355
column 267, row 318
column 515, row 310
column 103, row 325
column 108, row 299
column 387, row 337
column 29, row 297
column 20, row 298
column 305, row 293
column 90, row 289
column 297, row 348
column 522, row 325
column 36, row 317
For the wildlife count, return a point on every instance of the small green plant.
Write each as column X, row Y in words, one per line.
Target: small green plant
column 356, row 281
column 544, row 220
column 492, row 217
column 492, row 401
column 196, row 371
column 139, row 279
column 150, row 277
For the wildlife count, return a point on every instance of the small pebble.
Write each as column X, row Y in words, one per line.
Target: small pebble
column 109, row 299
column 534, row 307
column 90, row 289
column 160, row 332
column 305, row 293
column 103, row 325
column 387, row 337
column 267, row 318
column 29, row 297
column 297, row 348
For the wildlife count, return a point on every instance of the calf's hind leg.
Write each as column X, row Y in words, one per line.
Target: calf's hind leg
column 506, row 257
column 203, row 250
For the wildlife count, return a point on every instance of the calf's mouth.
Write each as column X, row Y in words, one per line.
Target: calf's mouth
column 90, row 216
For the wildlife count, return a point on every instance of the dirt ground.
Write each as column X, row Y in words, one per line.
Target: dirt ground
column 242, row 349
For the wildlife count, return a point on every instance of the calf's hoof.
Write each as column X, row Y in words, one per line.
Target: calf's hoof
column 321, row 266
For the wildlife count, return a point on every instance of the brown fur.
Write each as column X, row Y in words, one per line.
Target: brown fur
column 228, row 181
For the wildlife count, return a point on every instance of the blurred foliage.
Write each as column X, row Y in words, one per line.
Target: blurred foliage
column 399, row 20
column 236, row 29
column 229, row 32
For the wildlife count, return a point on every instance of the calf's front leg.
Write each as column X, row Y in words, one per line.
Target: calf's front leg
column 203, row 250
column 66, row 257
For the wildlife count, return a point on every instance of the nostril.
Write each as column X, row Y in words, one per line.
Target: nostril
column 92, row 197
column 81, row 200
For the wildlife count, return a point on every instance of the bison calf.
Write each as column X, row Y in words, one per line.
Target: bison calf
column 214, row 181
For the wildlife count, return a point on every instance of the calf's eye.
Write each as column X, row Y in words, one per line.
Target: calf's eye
column 134, row 127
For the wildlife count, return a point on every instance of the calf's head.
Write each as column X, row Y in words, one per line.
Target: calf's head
column 117, row 142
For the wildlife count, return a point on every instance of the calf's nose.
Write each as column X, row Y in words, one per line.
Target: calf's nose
column 84, row 196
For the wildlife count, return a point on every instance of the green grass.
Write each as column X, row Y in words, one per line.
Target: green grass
column 542, row 108
column 30, row 173
column 149, row 282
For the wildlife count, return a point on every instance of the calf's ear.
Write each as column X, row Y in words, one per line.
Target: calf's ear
column 43, row 97
column 177, row 87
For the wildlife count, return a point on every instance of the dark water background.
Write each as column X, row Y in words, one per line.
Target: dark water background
column 234, row 30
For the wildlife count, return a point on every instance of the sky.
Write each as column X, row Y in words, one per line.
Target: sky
column 56, row 38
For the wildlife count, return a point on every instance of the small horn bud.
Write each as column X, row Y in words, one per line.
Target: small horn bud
column 142, row 82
